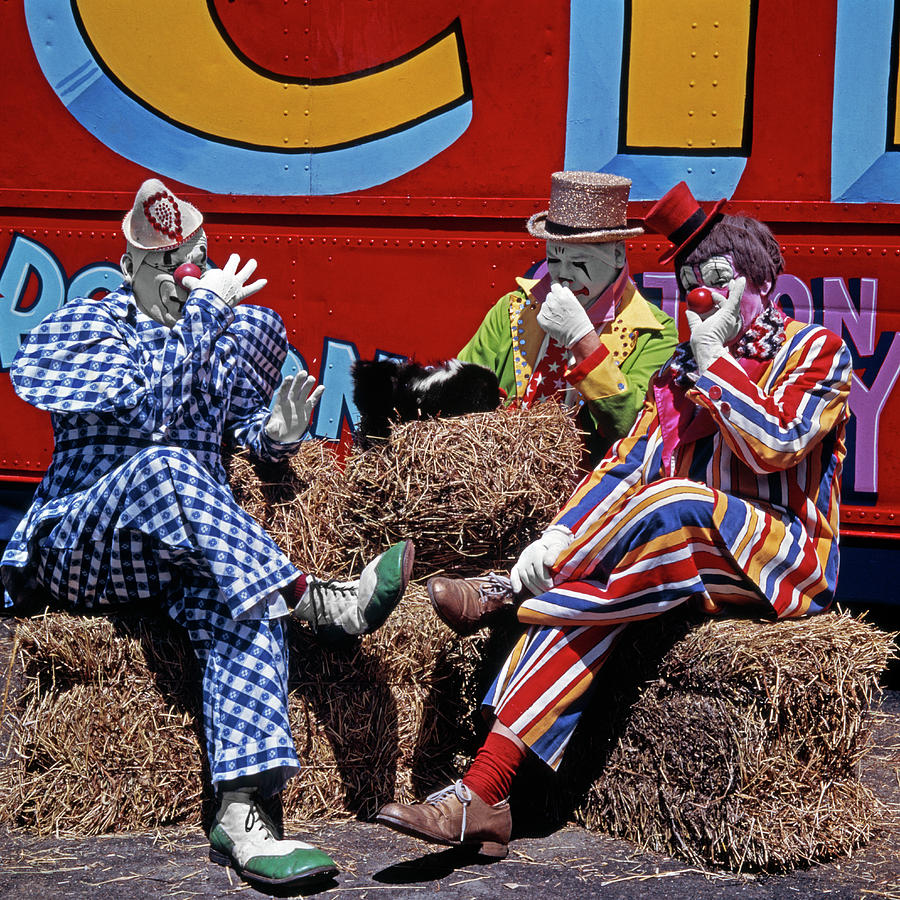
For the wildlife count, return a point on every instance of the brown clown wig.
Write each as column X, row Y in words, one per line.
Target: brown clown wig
column 748, row 241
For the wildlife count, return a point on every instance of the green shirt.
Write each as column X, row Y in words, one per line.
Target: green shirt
column 613, row 392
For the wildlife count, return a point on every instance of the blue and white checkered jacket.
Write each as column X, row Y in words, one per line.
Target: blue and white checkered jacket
column 115, row 382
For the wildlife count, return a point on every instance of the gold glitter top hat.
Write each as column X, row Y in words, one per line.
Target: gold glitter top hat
column 585, row 208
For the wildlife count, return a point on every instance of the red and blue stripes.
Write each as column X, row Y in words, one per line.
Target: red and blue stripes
column 744, row 510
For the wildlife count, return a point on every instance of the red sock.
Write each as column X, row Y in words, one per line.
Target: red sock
column 491, row 773
column 300, row 588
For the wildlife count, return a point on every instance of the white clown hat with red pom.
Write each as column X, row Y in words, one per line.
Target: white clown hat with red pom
column 159, row 220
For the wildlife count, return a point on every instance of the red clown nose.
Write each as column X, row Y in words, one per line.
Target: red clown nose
column 700, row 300
column 186, row 270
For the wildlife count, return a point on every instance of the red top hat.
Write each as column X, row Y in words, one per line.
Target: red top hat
column 678, row 216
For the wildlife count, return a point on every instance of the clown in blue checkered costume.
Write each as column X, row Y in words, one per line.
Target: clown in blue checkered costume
column 144, row 387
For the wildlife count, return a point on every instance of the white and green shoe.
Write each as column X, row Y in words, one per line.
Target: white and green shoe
column 341, row 609
column 244, row 838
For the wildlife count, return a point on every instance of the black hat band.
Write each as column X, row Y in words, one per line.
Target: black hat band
column 688, row 227
column 552, row 227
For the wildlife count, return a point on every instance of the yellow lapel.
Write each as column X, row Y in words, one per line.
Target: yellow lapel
column 634, row 316
column 527, row 335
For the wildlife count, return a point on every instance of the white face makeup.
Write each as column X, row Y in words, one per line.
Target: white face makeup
column 155, row 291
column 716, row 273
column 586, row 269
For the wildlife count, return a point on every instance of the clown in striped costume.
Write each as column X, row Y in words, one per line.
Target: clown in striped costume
column 742, row 511
column 144, row 386
column 724, row 493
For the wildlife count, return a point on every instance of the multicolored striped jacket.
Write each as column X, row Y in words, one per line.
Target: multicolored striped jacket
column 770, row 432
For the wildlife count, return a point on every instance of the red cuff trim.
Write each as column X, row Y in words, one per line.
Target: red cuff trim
column 300, row 587
column 726, row 367
column 586, row 366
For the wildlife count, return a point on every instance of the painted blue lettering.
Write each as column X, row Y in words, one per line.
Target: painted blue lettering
column 336, row 406
column 94, row 279
column 26, row 259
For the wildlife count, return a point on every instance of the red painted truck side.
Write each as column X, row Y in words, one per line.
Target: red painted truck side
column 379, row 159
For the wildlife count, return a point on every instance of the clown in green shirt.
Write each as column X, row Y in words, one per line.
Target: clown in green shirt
column 583, row 333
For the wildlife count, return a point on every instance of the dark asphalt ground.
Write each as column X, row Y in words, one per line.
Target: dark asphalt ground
column 377, row 863
column 571, row 863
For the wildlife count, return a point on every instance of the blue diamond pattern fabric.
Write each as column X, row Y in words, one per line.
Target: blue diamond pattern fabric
column 135, row 507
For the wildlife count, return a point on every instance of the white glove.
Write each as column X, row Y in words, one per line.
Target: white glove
column 227, row 283
column 710, row 335
column 563, row 317
column 293, row 407
column 532, row 570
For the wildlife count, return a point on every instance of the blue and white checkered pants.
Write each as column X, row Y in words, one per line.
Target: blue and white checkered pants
column 161, row 531
column 245, row 688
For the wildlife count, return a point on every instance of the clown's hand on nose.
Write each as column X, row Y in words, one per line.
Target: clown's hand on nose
column 563, row 317
column 227, row 283
column 711, row 333
column 293, row 407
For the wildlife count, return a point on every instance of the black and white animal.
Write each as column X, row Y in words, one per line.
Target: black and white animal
column 387, row 390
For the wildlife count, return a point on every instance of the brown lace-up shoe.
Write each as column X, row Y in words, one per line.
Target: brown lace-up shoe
column 454, row 816
column 465, row 604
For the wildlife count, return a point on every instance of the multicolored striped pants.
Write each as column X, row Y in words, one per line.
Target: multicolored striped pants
column 671, row 541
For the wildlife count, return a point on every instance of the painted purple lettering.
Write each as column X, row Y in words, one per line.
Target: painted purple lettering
column 792, row 293
column 867, row 405
column 839, row 311
column 666, row 283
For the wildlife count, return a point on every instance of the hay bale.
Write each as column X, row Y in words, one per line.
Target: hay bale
column 744, row 752
column 741, row 751
column 471, row 491
column 299, row 503
column 105, row 735
column 384, row 717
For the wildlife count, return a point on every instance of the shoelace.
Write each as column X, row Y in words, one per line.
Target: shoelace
column 494, row 587
column 317, row 590
column 256, row 817
column 463, row 794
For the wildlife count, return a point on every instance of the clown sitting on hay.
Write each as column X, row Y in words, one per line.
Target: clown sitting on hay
column 144, row 386
column 687, row 511
column 724, row 493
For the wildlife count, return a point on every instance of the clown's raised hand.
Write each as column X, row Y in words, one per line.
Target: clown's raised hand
column 293, row 407
column 563, row 317
column 227, row 283
column 711, row 333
